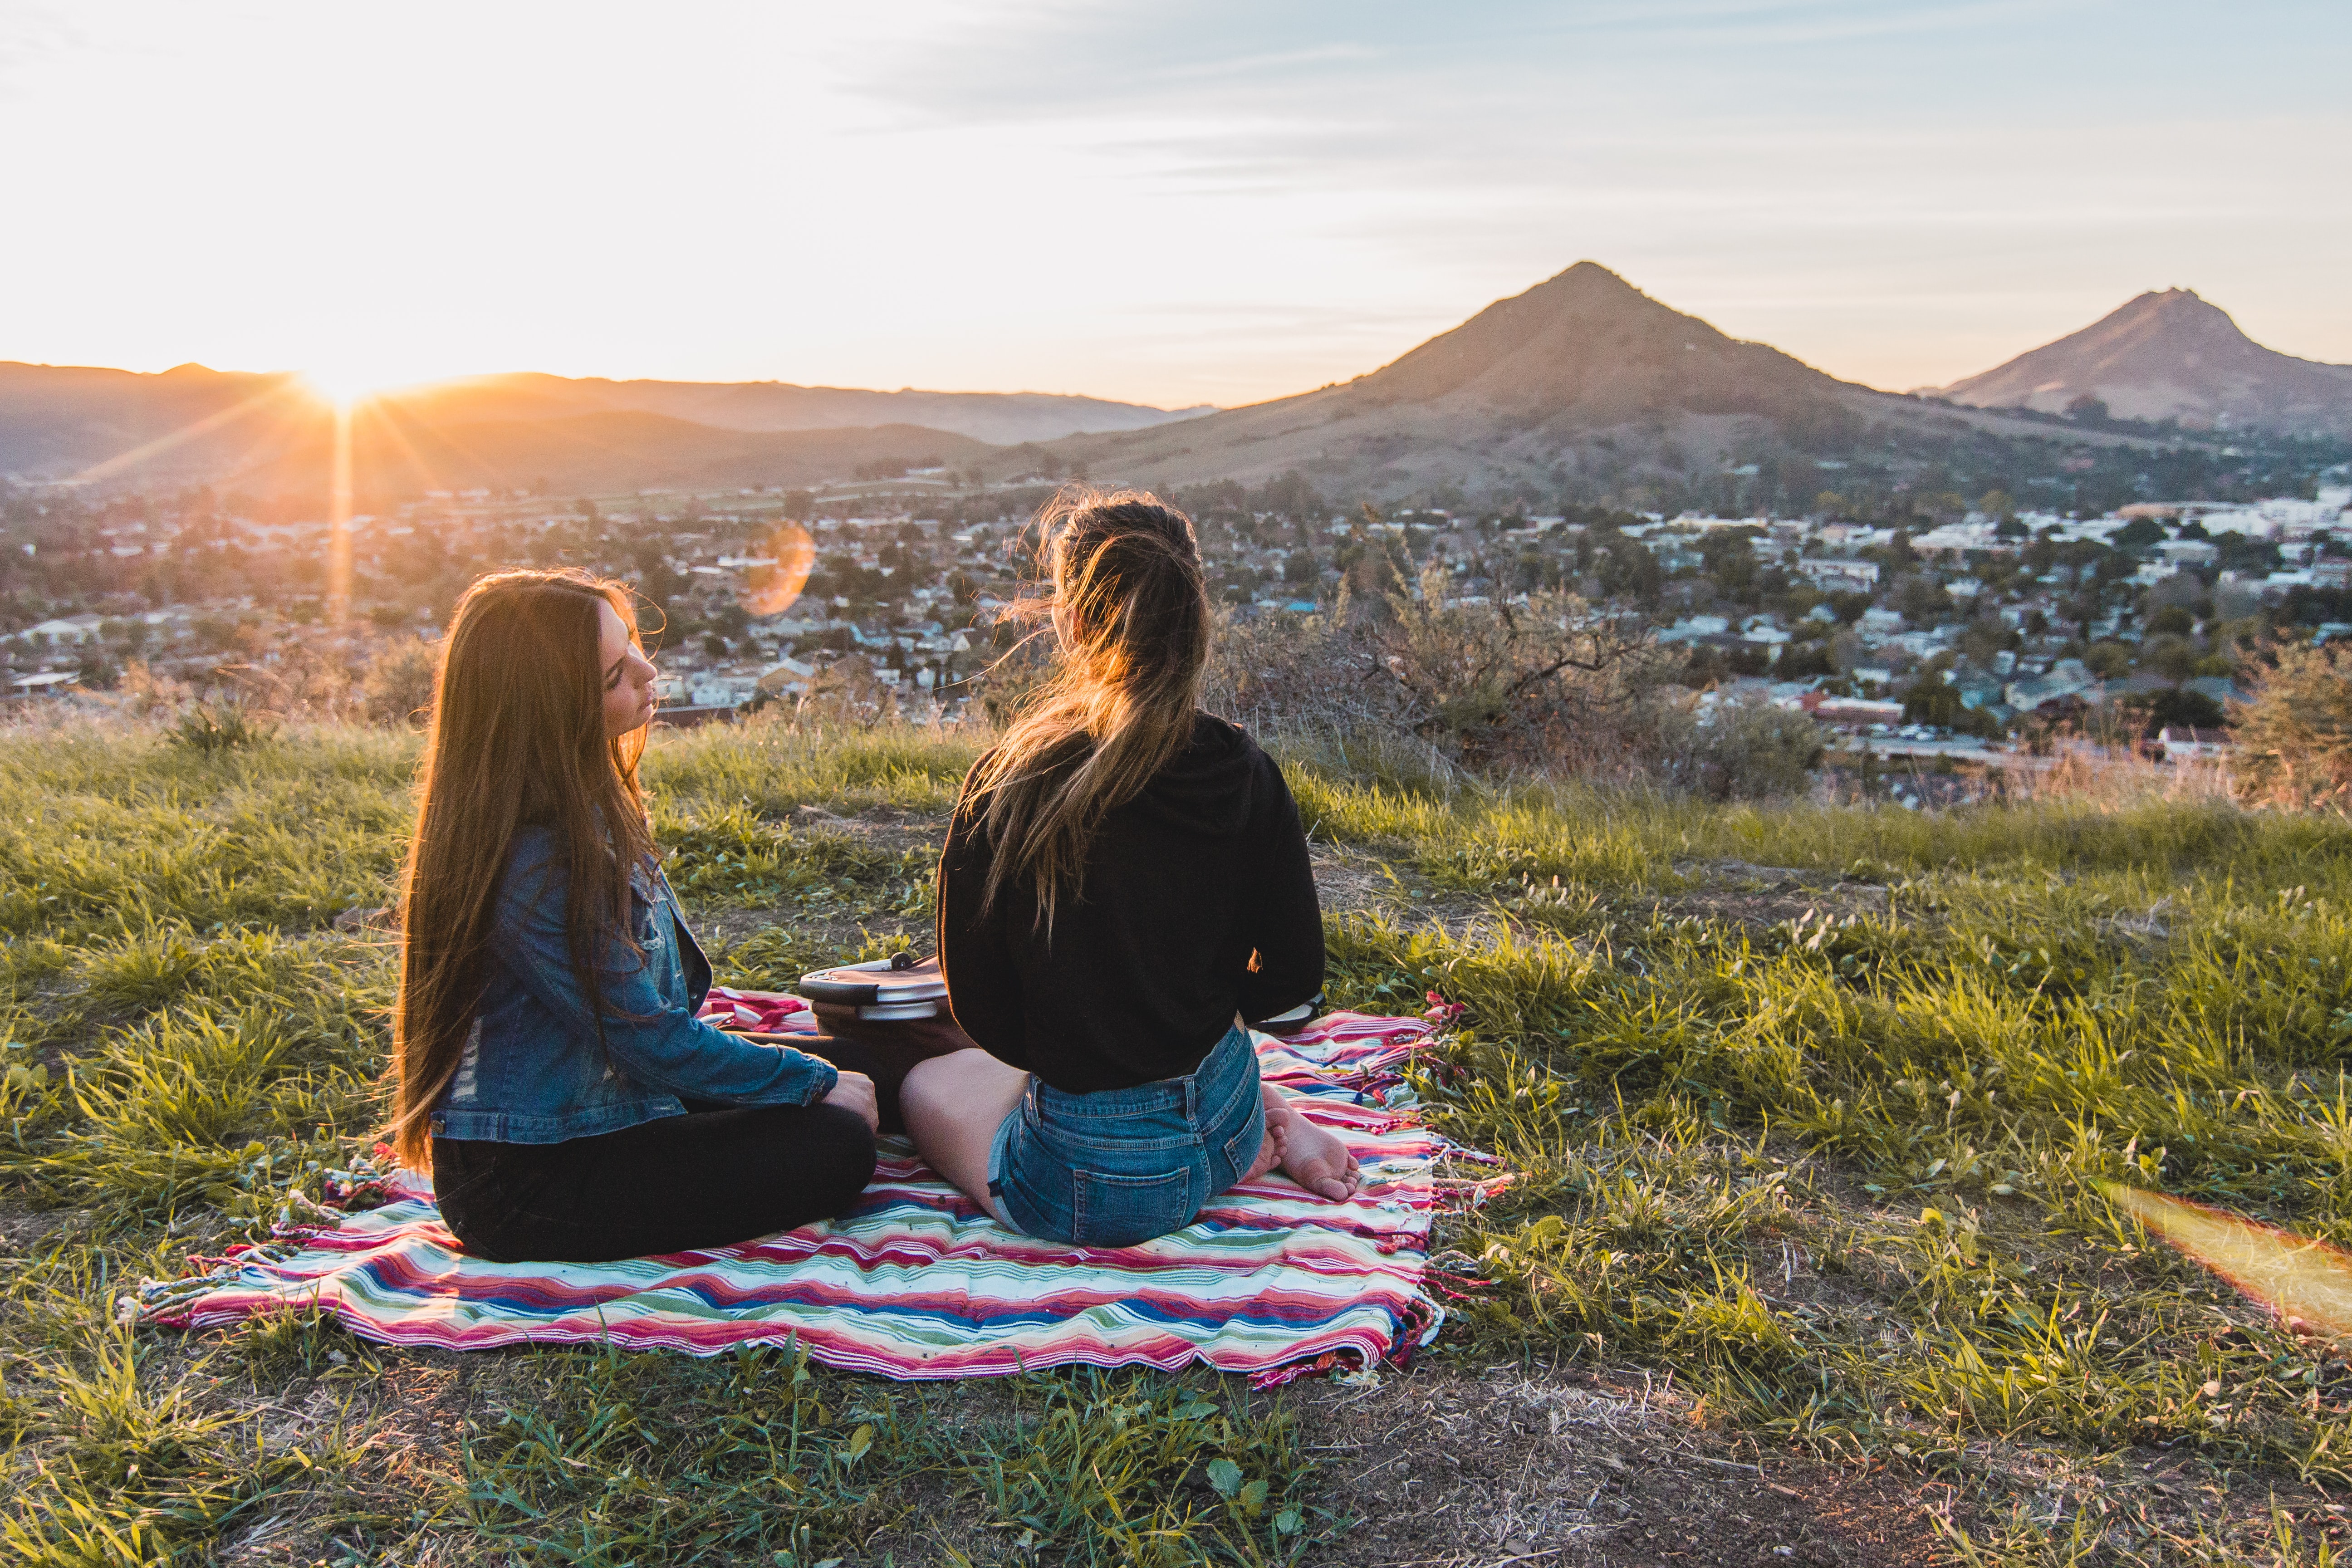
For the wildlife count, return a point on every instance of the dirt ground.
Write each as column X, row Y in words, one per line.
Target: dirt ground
column 1448, row 1469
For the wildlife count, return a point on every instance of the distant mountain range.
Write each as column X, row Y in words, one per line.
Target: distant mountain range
column 2171, row 356
column 1582, row 380
column 394, row 452
column 58, row 421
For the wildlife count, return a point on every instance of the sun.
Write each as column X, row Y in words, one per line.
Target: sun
column 347, row 383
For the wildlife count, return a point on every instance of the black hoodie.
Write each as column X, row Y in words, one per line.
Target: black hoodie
column 1147, row 965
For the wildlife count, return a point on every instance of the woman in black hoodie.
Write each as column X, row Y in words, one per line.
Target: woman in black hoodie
column 1125, row 888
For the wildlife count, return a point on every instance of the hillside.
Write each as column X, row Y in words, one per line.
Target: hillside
column 2171, row 355
column 396, row 453
column 1582, row 369
column 1798, row 1259
column 1002, row 419
column 59, row 421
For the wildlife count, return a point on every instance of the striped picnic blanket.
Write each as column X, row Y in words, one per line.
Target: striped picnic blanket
column 916, row 1281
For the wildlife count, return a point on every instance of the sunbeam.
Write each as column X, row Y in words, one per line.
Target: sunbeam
column 164, row 443
column 338, row 522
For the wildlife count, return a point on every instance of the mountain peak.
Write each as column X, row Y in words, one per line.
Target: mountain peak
column 1586, row 346
column 2170, row 355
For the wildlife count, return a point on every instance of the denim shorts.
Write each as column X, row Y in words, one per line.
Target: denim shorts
column 1124, row 1165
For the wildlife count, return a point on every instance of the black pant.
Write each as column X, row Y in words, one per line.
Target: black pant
column 713, row 1177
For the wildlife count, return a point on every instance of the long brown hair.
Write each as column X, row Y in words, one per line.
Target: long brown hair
column 518, row 736
column 1132, row 614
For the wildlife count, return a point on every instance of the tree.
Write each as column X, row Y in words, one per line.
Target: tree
column 1931, row 702
column 2107, row 659
column 2182, row 709
column 2086, row 409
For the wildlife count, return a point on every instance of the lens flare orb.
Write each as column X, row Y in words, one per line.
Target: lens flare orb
column 2307, row 1282
column 772, row 590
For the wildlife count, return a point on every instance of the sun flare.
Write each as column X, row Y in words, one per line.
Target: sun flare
column 346, row 386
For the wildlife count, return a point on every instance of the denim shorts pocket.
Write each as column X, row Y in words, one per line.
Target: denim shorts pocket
column 1113, row 1210
column 1242, row 1148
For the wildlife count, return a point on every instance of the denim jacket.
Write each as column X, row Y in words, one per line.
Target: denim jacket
column 532, row 1070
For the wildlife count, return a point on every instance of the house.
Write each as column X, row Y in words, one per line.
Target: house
column 48, row 683
column 2068, row 680
column 2182, row 744
column 786, row 677
column 71, row 629
column 1852, row 713
column 1976, row 688
column 714, row 690
column 1848, row 574
column 1974, row 533
column 1692, row 627
column 2220, row 688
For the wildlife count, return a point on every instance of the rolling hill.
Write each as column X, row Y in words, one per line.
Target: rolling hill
column 395, row 453
column 1001, row 418
column 2171, row 355
column 192, row 423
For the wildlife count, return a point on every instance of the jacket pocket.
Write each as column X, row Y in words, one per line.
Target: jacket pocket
column 1111, row 1210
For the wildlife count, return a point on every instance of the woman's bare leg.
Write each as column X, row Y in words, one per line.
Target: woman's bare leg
column 1312, row 1156
column 953, row 1105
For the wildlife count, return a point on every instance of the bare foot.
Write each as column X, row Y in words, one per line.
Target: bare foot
column 1277, row 1134
column 1312, row 1156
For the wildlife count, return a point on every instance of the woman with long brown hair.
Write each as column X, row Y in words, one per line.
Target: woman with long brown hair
column 1124, row 889
column 548, row 1068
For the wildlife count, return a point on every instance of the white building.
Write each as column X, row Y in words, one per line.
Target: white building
column 70, row 630
column 1856, row 575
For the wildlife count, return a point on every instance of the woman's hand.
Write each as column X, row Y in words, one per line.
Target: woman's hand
column 855, row 1091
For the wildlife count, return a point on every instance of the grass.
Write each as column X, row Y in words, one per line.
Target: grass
column 1804, row 1107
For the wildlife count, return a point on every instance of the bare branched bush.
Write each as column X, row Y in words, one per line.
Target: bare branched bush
column 303, row 684
column 2295, row 739
column 146, row 692
column 1734, row 750
column 398, row 685
column 847, row 693
column 1550, row 684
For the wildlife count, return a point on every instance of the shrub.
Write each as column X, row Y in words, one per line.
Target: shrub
column 1550, row 684
column 1738, row 750
column 2295, row 739
column 214, row 728
column 398, row 685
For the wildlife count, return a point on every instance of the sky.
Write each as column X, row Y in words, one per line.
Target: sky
column 1205, row 201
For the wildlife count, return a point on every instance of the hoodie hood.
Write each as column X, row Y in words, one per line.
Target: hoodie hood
column 1209, row 788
